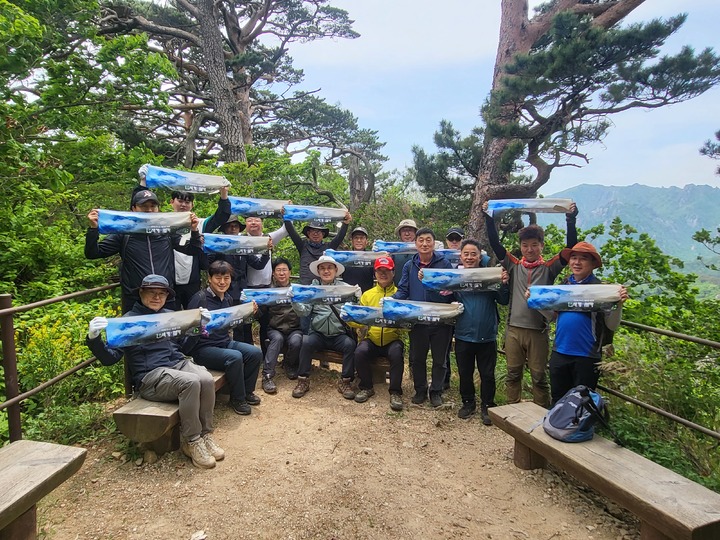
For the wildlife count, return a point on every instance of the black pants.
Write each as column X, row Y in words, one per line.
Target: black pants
column 567, row 372
column 183, row 294
column 484, row 356
column 435, row 339
column 367, row 351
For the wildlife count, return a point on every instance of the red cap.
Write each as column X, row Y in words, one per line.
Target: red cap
column 384, row 262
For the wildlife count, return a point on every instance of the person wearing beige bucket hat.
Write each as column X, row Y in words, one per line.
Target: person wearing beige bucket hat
column 405, row 232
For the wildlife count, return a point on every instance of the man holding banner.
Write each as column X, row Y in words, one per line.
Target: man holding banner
column 160, row 372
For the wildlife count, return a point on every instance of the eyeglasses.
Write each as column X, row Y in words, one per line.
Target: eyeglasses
column 156, row 293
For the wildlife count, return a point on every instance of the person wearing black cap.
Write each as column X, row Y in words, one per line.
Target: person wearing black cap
column 188, row 267
column 313, row 246
column 160, row 372
column 141, row 254
column 359, row 275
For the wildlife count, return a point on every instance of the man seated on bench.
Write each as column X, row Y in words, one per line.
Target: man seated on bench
column 327, row 331
column 160, row 372
column 215, row 350
column 283, row 330
column 381, row 341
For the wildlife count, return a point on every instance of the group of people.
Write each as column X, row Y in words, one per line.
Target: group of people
column 162, row 272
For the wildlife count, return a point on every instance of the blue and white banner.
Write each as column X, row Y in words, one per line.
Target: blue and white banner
column 111, row 221
column 462, row 279
column 357, row 259
column 368, row 316
column 394, row 248
column 227, row 318
column 184, row 180
column 262, row 208
column 451, row 255
column 322, row 294
column 546, row 206
column 296, row 212
column 272, row 296
column 143, row 329
column 412, row 312
column 234, row 244
column 574, row 297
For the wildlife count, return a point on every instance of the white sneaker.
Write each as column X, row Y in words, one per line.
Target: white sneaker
column 212, row 447
column 198, row 453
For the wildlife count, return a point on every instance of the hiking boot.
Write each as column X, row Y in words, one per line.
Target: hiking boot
column 396, row 403
column 291, row 372
column 198, row 453
column 213, row 448
column 240, row 407
column 436, row 399
column 467, row 410
column 345, row 388
column 268, row 385
column 485, row 416
column 364, row 394
column 253, row 399
column 302, row 387
column 419, row 398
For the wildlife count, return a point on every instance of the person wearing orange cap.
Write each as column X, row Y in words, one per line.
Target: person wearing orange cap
column 579, row 335
column 380, row 341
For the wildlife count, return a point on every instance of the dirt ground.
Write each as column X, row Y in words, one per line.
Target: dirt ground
column 327, row 468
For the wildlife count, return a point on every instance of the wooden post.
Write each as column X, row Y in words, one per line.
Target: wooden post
column 7, row 334
column 527, row 459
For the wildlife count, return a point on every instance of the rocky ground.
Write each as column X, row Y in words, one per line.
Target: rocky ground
column 327, row 468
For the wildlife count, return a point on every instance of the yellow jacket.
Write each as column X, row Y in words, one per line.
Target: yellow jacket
column 378, row 335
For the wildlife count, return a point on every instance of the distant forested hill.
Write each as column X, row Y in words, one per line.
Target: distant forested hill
column 669, row 215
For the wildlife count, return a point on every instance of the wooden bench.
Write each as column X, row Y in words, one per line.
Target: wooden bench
column 155, row 423
column 380, row 366
column 668, row 505
column 29, row 470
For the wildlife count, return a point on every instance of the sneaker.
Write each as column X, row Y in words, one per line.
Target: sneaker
column 302, row 387
column 485, row 416
column 345, row 388
column 268, row 385
column 198, row 453
column 364, row 394
column 213, row 448
column 467, row 410
column 436, row 400
column 240, row 407
column 419, row 398
column 396, row 403
column 253, row 399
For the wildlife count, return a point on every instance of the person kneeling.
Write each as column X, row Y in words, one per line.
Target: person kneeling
column 327, row 331
column 160, row 372
column 215, row 350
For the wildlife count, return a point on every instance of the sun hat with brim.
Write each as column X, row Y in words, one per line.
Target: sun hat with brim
column 583, row 247
column 232, row 219
column 144, row 196
column 326, row 259
column 319, row 225
column 405, row 223
column 155, row 281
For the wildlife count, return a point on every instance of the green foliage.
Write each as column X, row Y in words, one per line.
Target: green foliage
column 69, row 423
column 710, row 242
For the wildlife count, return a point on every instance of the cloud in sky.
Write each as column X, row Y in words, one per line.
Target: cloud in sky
column 418, row 62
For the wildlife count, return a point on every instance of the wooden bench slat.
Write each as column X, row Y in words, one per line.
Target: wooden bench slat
column 667, row 501
column 29, row 470
column 145, row 421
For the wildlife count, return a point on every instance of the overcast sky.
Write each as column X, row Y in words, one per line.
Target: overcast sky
column 420, row 61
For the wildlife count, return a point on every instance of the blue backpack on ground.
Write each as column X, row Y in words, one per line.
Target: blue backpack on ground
column 574, row 416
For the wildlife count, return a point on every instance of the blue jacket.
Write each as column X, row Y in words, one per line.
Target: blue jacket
column 478, row 322
column 411, row 288
column 141, row 359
